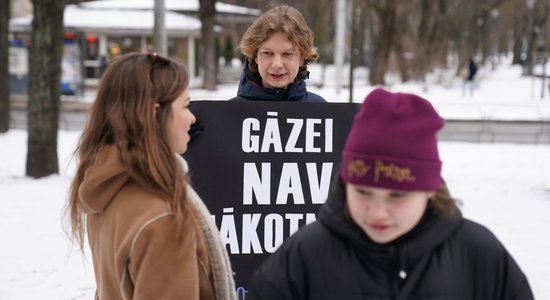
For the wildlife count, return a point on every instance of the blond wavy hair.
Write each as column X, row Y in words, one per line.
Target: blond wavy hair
column 282, row 18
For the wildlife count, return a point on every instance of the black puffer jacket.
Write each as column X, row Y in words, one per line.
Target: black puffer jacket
column 439, row 259
column 251, row 89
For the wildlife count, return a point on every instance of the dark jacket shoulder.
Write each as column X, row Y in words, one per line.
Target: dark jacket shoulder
column 440, row 258
column 251, row 89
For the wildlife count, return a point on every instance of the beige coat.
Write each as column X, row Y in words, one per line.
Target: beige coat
column 135, row 252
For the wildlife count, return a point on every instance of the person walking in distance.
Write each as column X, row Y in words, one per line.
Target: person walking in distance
column 469, row 81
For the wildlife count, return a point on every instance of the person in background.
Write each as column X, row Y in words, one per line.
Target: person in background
column 150, row 235
column 390, row 228
column 278, row 47
column 469, row 81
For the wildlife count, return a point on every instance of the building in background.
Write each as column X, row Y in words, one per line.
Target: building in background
column 98, row 31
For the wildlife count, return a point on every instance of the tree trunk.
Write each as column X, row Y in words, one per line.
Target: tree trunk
column 430, row 42
column 402, row 63
column 384, row 42
column 4, row 69
column 44, row 87
column 207, row 12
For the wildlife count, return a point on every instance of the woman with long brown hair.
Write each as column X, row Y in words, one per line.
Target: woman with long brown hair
column 150, row 235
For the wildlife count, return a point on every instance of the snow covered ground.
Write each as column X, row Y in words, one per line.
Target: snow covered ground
column 506, row 187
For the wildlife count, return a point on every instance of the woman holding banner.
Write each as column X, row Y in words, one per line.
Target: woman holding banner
column 278, row 47
column 390, row 228
column 150, row 235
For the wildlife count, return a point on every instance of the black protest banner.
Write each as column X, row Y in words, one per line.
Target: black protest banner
column 264, row 169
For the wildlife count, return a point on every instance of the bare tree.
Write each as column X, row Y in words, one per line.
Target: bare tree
column 4, row 71
column 403, row 36
column 430, row 41
column 44, row 87
column 536, row 16
column 439, row 33
column 384, row 40
column 207, row 11
column 513, row 12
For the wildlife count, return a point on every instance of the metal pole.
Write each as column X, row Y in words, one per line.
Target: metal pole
column 352, row 51
column 545, row 54
column 340, row 43
column 527, row 43
column 543, row 79
column 160, row 39
column 494, row 38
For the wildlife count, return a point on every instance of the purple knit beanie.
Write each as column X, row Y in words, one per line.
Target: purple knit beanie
column 393, row 144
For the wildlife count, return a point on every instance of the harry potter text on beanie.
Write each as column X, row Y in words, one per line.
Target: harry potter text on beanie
column 393, row 143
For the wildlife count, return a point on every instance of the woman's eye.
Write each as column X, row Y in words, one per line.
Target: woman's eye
column 398, row 195
column 363, row 192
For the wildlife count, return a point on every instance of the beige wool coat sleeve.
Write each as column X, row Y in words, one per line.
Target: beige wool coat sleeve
column 135, row 248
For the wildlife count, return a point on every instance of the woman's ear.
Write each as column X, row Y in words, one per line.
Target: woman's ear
column 431, row 195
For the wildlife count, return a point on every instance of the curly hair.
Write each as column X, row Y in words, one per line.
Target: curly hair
column 285, row 19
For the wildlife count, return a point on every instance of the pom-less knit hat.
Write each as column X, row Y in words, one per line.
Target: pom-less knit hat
column 393, row 144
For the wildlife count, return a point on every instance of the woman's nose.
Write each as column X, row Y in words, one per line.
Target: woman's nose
column 377, row 209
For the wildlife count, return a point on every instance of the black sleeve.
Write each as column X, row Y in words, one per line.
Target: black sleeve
column 281, row 276
column 498, row 273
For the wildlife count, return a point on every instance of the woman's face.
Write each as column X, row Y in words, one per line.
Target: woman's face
column 180, row 122
column 383, row 214
column 278, row 61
